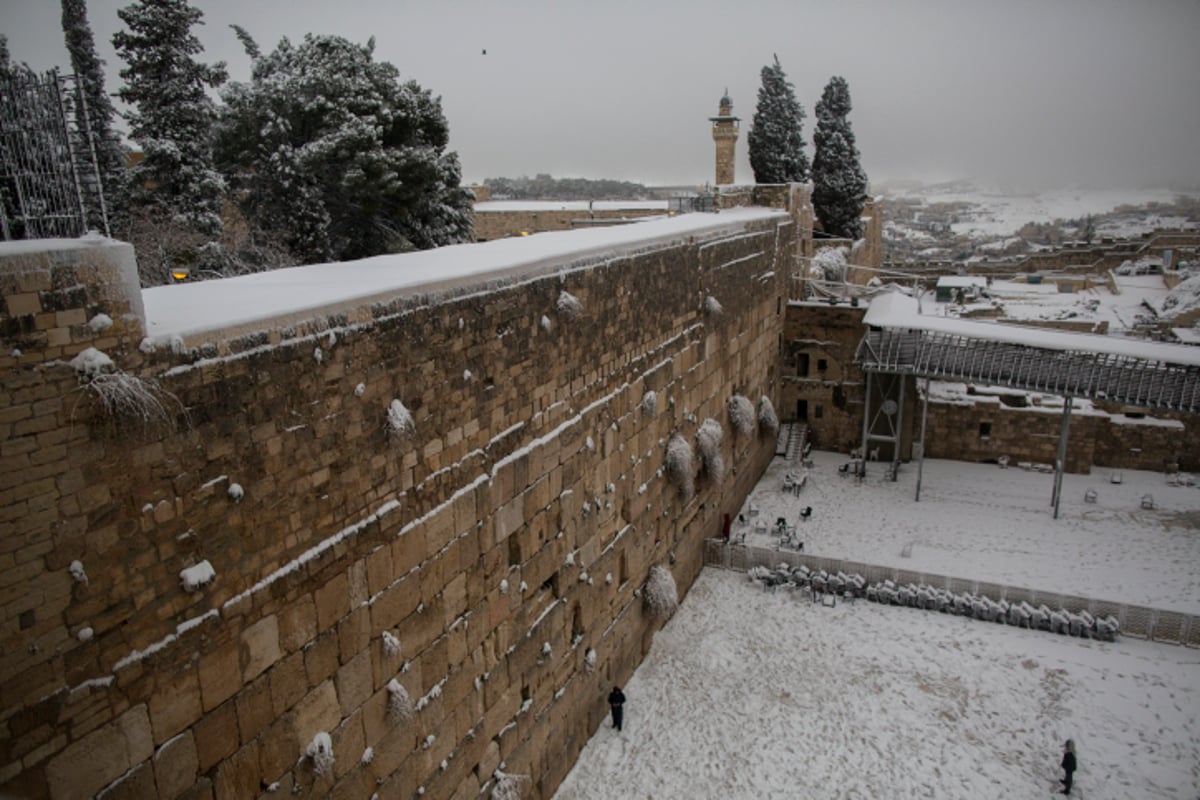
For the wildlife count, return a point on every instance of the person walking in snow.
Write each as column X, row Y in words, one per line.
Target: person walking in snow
column 1068, row 765
column 616, row 701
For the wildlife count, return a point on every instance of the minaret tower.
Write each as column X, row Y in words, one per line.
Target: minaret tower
column 725, row 134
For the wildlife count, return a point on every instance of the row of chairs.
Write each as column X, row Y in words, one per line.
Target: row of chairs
column 981, row 607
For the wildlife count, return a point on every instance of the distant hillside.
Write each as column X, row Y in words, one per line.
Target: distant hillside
column 960, row 221
column 546, row 187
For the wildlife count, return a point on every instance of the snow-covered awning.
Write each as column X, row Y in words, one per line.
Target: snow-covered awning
column 1153, row 375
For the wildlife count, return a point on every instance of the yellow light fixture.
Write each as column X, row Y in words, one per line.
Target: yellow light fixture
column 180, row 273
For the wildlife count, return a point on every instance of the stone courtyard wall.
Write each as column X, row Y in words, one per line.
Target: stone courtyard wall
column 486, row 563
column 1105, row 439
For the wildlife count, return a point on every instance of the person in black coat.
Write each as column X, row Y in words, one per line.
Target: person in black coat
column 616, row 701
column 1068, row 765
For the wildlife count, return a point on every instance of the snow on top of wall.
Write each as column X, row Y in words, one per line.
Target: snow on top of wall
column 289, row 296
column 1189, row 336
column 897, row 310
column 571, row 205
column 27, row 246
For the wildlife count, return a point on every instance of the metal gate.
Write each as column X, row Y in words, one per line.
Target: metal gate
column 50, row 182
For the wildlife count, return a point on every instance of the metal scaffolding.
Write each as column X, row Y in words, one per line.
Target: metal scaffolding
column 1158, row 377
column 1157, row 382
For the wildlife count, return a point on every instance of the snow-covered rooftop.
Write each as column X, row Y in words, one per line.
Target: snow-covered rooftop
column 897, row 310
column 235, row 306
column 962, row 281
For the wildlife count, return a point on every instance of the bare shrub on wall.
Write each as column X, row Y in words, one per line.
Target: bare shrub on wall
column 649, row 403
column 741, row 415
column 569, row 305
column 122, row 396
column 509, row 786
column 708, row 439
column 400, row 705
column 767, row 418
column 679, row 466
column 400, row 420
column 662, row 596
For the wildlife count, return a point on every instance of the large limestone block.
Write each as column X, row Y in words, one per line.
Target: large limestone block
column 102, row 756
column 318, row 711
column 175, row 705
column 175, row 766
column 260, row 647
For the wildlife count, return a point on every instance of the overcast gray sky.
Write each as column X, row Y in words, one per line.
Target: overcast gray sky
column 1027, row 92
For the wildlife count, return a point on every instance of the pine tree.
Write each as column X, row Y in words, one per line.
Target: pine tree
column 330, row 150
column 776, row 143
column 89, row 69
column 839, row 183
column 172, row 116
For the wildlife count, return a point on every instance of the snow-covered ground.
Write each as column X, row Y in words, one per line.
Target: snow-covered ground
column 752, row 694
column 981, row 522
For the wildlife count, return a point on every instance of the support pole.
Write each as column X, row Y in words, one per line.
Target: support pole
column 866, row 422
column 921, row 460
column 1062, row 454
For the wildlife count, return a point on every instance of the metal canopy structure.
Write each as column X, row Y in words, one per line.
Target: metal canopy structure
column 1119, row 378
column 901, row 342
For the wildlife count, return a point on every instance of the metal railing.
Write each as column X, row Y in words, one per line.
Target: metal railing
column 1139, row 622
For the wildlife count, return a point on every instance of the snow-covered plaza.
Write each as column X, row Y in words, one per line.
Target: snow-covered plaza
column 750, row 693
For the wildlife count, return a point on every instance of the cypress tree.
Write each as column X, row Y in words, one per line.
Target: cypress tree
column 776, row 143
column 336, row 155
column 839, row 183
column 89, row 69
column 172, row 116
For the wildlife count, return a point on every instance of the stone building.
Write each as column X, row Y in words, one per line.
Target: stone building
column 725, row 135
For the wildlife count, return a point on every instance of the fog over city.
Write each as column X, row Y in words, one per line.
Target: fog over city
column 1091, row 93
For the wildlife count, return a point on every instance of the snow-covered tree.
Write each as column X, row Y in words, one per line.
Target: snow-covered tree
column 171, row 116
column 89, row 68
column 776, row 143
column 1087, row 230
column 331, row 150
column 839, row 183
column 829, row 264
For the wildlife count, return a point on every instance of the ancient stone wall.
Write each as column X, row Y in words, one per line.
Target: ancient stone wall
column 421, row 528
column 984, row 429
